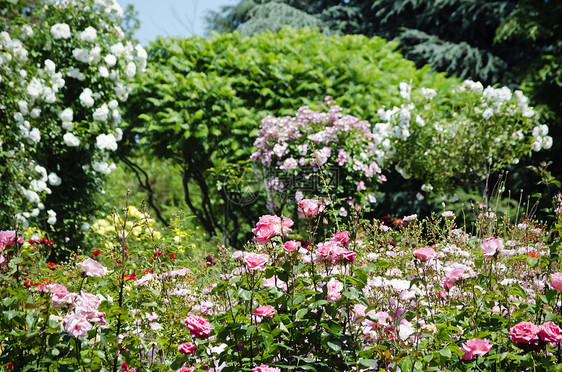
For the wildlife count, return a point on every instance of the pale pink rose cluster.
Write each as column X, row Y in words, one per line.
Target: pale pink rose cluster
column 310, row 208
column 334, row 287
column 425, row 254
column 476, row 347
column 91, row 267
column 377, row 325
column 255, row 261
column 269, row 226
column 524, row 334
column 332, row 251
column 492, row 246
column 453, row 274
column 60, row 296
column 85, row 307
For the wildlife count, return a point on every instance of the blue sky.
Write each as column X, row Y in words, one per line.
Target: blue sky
column 172, row 17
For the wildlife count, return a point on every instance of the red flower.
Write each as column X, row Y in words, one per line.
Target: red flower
column 133, row 276
column 10, row 366
column 172, row 256
column 51, row 265
column 96, row 252
column 157, row 253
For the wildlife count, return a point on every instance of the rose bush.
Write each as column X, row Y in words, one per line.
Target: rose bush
column 64, row 68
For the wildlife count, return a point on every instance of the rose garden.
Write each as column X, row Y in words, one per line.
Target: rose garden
column 288, row 200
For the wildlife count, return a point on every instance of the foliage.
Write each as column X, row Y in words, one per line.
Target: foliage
column 201, row 101
column 63, row 69
column 512, row 42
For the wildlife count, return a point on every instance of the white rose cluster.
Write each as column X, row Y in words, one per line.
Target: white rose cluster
column 85, row 114
column 501, row 120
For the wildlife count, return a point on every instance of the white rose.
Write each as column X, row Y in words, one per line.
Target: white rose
column 131, row 70
column 101, row 113
column 60, row 31
column 71, row 140
column 106, row 142
column 66, row 115
column 89, row 34
column 54, row 179
column 110, row 60
column 86, row 98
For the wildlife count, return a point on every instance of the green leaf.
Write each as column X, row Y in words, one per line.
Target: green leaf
column 244, row 294
column 334, row 345
column 368, row 362
column 445, row 352
column 301, row 313
column 406, row 365
column 10, row 314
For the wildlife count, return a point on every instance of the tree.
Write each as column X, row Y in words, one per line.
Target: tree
column 512, row 42
column 201, row 102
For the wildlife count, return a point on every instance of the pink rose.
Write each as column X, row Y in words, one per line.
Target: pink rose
column 310, row 208
column 550, row 333
column 425, row 254
column 557, row 281
column 8, row 238
column 330, row 251
column 187, row 348
column 334, row 287
column 77, row 325
column 265, row 368
column 60, row 296
column 452, row 276
column 349, row 256
column 524, row 333
column 269, row 226
column 475, row 347
column 266, row 311
column 255, row 261
column 291, row 246
column 198, row 326
column 92, row 267
column 185, row 369
column 342, row 237
column 492, row 246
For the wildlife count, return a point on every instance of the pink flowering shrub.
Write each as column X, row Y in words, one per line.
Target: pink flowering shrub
column 307, row 144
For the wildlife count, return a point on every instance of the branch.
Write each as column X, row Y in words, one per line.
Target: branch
column 145, row 185
column 185, row 181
